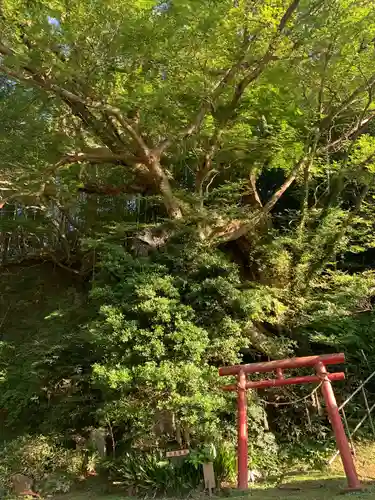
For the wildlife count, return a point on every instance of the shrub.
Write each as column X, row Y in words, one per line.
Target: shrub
column 223, row 456
column 225, row 463
column 52, row 467
column 151, row 473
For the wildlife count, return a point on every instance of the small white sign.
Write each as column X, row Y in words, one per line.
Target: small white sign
column 177, row 453
column 209, row 477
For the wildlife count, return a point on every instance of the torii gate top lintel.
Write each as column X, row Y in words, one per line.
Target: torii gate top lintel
column 284, row 364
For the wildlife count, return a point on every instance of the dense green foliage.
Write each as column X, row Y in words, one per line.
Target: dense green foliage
column 183, row 185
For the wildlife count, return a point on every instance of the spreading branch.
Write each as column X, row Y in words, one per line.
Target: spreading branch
column 206, row 106
column 251, row 196
column 96, row 155
column 252, row 73
column 30, row 75
column 269, row 56
column 352, row 133
column 206, row 168
column 255, row 71
column 80, row 105
column 286, row 184
column 346, row 103
column 238, row 228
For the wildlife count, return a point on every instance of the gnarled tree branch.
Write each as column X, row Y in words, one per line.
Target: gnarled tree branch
column 235, row 229
column 255, row 71
column 80, row 106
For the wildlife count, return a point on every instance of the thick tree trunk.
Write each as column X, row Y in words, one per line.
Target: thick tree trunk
column 163, row 186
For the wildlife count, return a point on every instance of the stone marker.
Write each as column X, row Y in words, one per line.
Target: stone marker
column 23, row 485
column 97, row 438
column 254, row 475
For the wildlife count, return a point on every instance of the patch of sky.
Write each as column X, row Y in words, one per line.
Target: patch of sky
column 53, row 21
column 161, row 7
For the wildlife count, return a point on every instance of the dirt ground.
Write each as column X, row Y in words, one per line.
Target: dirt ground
column 313, row 486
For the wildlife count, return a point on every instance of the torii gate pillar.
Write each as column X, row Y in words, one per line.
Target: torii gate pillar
column 317, row 362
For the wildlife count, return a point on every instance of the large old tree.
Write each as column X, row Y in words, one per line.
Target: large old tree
column 186, row 96
column 237, row 138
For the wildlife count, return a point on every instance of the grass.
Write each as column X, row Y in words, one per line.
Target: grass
column 312, row 490
column 321, row 488
column 312, row 486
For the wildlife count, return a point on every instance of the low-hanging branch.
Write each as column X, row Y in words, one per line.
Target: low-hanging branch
column 235, row 229
column 148, row 156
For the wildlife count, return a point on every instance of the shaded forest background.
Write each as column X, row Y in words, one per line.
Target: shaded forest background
column 183, row 185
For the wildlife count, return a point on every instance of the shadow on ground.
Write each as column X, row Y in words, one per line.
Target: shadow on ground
column 311, row 489
column 306, row 489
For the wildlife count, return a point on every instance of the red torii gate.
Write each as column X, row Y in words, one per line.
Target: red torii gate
column 317, row 362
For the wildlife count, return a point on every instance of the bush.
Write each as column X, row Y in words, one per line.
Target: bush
column 151, row 473
column 163, row 326
column 52, row 467
column 264, row 454
column 223, row 456
column 225, row 463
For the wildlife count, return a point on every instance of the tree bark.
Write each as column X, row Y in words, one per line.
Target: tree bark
column 163, row 185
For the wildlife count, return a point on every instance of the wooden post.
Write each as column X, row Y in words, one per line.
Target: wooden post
column 242, row 480
column 338, row 429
